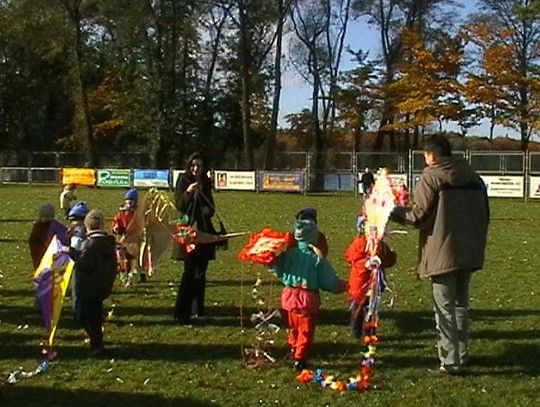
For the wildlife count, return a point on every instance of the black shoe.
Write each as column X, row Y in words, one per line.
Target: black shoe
column 183, row 321
column 299, row 365
column 142, row 278
column 97, row 353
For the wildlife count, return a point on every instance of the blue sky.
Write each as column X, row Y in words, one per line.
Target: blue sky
column 296, row 95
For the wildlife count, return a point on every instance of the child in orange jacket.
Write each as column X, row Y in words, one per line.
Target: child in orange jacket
column 362, row 259
column 119, row 227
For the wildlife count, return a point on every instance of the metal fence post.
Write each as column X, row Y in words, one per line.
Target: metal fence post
column 354, row 166
column 308, row 171
column 526, row 184
column 29, row 173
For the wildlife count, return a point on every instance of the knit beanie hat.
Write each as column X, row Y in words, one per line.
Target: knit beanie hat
column 306, row 231
column 94, row 220
column 307, row 214
column 79, row 211
column 46, row 211
column 132, row 194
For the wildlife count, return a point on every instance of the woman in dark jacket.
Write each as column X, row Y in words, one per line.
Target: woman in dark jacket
column 193, row 197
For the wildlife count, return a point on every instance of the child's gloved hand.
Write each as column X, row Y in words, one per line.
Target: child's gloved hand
column 373, row 262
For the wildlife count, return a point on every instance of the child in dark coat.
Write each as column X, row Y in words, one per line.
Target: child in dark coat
column 95, row 272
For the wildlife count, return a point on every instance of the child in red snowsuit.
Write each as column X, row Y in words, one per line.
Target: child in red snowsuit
column 304, row 273
column 119, row 227
column 362, row 258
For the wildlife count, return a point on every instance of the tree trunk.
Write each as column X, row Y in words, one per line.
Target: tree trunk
column 74, row 12
column 272, row 135
column 246, row 79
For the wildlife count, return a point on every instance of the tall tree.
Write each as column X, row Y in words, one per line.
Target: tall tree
column 82, row 122
column 484, row 85
column 391, row 17
column 426, row 88
column 282, row 12
column 516, row 26
column 320, row 27
column 357, row 99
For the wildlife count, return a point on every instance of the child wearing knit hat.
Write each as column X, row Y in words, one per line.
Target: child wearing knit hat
column 321, row 243
column 304, row 273
column 67, row 198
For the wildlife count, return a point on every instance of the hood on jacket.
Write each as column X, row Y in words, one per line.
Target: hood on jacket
column 454, row 172
column 102, row 241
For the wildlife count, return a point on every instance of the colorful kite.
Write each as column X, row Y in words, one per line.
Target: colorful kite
column 148, row 234
column 262, row 249
column 51, row 280
column 154, row 223
column 265, row 246
column 377, row 209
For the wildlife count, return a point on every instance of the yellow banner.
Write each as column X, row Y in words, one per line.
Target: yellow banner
column 79, row 176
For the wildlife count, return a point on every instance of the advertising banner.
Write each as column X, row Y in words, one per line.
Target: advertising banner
column 79, row 176
column 114, row 178
column 284, row 181
column 396, row 180
column 338, row 181
column 534, row 187
column 234, row 180
column 504, row 186
column 151, row 178
column 175, row 175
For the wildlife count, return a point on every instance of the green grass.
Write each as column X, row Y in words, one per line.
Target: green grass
column 156, row 362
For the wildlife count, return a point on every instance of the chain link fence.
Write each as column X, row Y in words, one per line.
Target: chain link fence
column 329, row 171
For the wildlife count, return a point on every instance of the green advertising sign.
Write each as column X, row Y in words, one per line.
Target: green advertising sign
column 113, row 178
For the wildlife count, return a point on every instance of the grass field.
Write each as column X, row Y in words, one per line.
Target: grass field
column 155, row 362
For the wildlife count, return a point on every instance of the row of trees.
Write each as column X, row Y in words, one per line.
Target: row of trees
column 170, row 76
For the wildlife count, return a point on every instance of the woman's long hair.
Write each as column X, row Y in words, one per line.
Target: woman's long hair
column 197, row 156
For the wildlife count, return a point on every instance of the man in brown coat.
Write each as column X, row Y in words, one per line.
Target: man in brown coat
column 451, row 210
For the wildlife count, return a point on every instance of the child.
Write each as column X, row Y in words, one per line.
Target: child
column 77, row 236
column 95, row 271
column 77, row 231
column 43, row 231
column 322, row 243
column 402, row 195
column 119, row 227
column 303, row 273
column 67, row 198
column 362, row 261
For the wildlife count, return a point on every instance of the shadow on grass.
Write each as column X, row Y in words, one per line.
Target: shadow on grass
column 21, row 292
column 190, row 352
column 21, row 395
column 12, row 240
